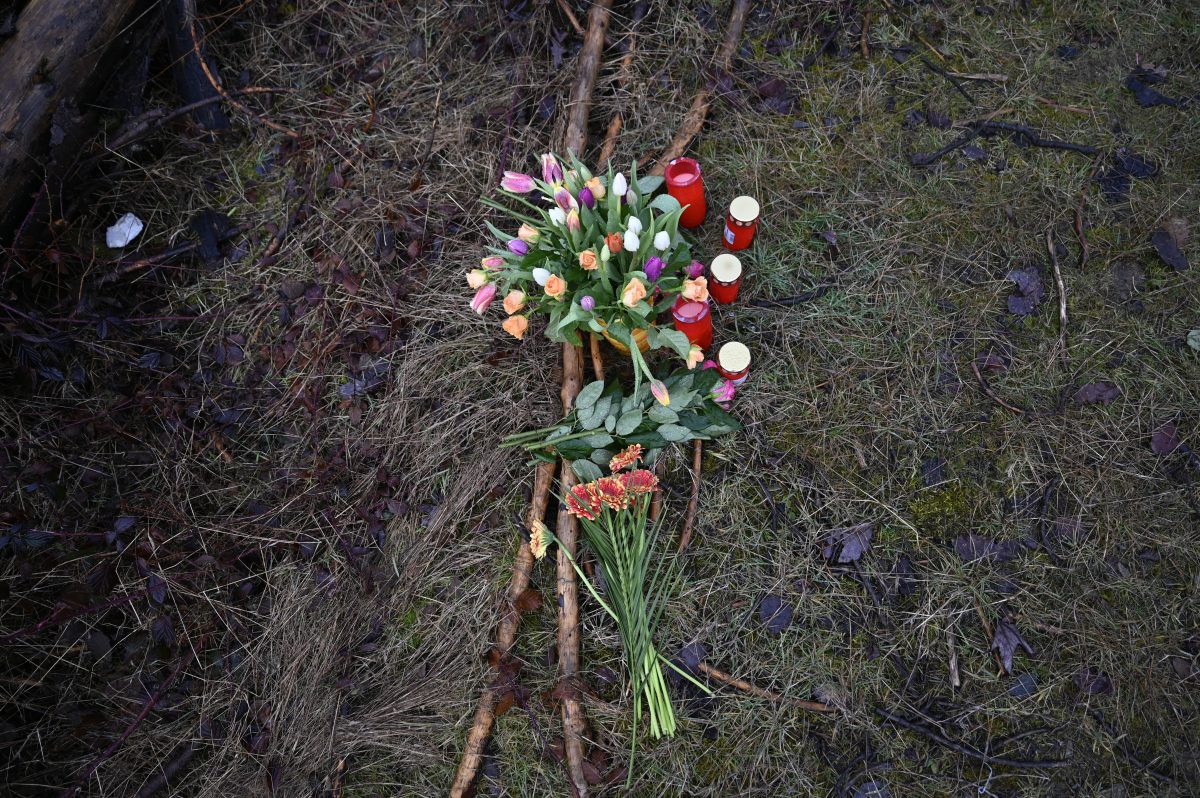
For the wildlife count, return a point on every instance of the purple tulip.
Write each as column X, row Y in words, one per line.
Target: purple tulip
column 588, row 303
column 585, row 197
column 564, row 200
column 654, row 269
column 695, row 269
column 518, row 247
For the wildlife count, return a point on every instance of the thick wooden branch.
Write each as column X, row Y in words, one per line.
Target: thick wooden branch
column 575, row 136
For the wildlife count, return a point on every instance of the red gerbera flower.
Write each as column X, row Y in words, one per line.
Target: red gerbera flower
column 639, row 482
column 612, row 492
column 625, row 458
column 584, row 501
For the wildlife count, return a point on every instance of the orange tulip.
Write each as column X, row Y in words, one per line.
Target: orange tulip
column 516, row 326
column 615, row 242
column 587, row 259
column 556, row 287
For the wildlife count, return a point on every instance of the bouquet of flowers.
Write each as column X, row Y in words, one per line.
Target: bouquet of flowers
column 592, row 252
column 614, row 513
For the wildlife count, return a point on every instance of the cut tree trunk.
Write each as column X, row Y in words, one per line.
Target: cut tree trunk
column 47, row 69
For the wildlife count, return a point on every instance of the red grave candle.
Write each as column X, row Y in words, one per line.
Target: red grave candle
column 741, row 223
column 694, row 320
column 726, row 278
column 733, row 362
column 685, row 185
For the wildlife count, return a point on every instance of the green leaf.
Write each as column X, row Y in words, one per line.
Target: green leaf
column 650, row 184
column 682, row 399
column 588, row 396
column 628, row 422
column 574, row 450
column 650, row 440
column 601, row 457
column 665, row 203
column 586, row 470
column 594, row 417
column 661, row 414
column 676, row 340
column 610, row 423
column 599, row 440
column 674, row 433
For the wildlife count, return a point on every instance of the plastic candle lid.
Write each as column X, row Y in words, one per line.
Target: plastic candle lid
column 744, row 209
column 683, row 172
column 733, row 356
column 690, row 311
column 726, row 268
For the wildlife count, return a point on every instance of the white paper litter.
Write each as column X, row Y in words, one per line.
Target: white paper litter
column 127, row 228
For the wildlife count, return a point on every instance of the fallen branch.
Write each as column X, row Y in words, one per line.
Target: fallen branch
column 967, row 750
column 61, row 616
column 989, row 127
column 575, row 136
column 689, row 518
column 149, row 121
column 617, row 121
column 694, row 119
column 597, row 358
column 91, row 769
column 216, row 84
column 510, row 619
column 1062, row 298
column 746, row 687
column 789, row 301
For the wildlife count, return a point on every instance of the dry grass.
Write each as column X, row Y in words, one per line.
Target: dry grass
column 360, row 544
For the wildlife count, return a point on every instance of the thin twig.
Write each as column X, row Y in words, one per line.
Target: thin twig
column 746, row 687
column 1062, row 298
column 689, row 518
column 991, row 77
column 789, row 301
column 949, row 78
column 967, row 750
column 147, row 122
column 952, row 644
column 59, row 617
column 574, row 20
column 987, row 390
column 90, row 770
column 216, row 84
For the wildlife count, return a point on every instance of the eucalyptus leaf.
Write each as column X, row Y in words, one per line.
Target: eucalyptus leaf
column 629, row 403
column 599, row 440
column 586, row 470
column 676, row 340
column 590, row 393
column 610, row 423
column 628, row 422
column 681, row 399
column 649, row 184
column 601, row 457
column 665, row 203
column 674, row 433
column 594, row 417
column 661, row 414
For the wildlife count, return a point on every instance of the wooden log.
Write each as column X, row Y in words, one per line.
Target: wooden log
column 193, row 86
column 50, row 65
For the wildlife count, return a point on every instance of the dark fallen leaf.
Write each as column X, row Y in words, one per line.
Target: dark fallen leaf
column 99, row 644
column 904, row 576
column 693, row 654
column 848, row 544
column 1093, row 681
column 872, row 789
column 529, row 601
column 1182, row 667
column 591, row 773
column 1167, row 249
column 1067, row 51
column 991, row 361
column 1127, row 279
column 1165, row 440
column 1147, row 96
column 1024, row 685
column 124, row 524
column 1006, row 639
column 1096, row 392
column 157, row 588
column 773, row 87
column 1133, row 164
column 913, row 118
column 1116, row 176
column 974, row 152
column 829, row 237
column 162, row 628
column 273, row 775
column 975, row 547
column 1030, row 290
column 775, row 613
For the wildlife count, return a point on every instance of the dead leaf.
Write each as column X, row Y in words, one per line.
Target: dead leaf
column 1093, row 681
column 775, row 613
column 1096, row 392
column 529, row 601
column 848, row 544
column 1165, row 440
column 1168, row 250
column 1006, row 640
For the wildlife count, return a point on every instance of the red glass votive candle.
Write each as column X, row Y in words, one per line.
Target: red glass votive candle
column 725, row 278
column 694, row 320
column 685, row 185
column 741, row 223
column 733, row 362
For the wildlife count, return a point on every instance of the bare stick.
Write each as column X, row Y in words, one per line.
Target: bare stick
column 1062, row 297
column 597, row 358
column 568, row 591
column 287, row 131
column 510, row 619
column 952, row 643
column 990, row 77
column 689, row 518
column 91, row 769
column 575, row 136
column 574, row 20
column 59, row 617
column 967, row 750
column 618, row 121
column 179, row 760
column 987, row 390
column 693, row 120
column 746, row 687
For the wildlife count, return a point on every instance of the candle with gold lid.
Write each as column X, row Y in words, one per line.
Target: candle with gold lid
column 733, row 362
column 726, row 272
column 741, row 223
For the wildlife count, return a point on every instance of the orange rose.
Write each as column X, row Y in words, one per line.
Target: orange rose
column 634, row 293
column 696, row 290
column 615, row 242
column 516, row 326
column 556, row 287
column 477, row 278
column 514, row 302
column 587, row 259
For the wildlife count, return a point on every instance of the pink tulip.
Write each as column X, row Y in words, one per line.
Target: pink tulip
column 517, row 182
column 551, row 171
column 695, row 269
column 483, row 298
column 492, row 262
column 573, row 221
column 564, row 200
column 660, row 391
column 723, row 393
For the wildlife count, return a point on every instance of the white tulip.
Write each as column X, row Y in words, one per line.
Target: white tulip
column 540, row 276
column 662, row 240
column 558, row 216
column 619, row 185
column 634, row 224
column 631, row 241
